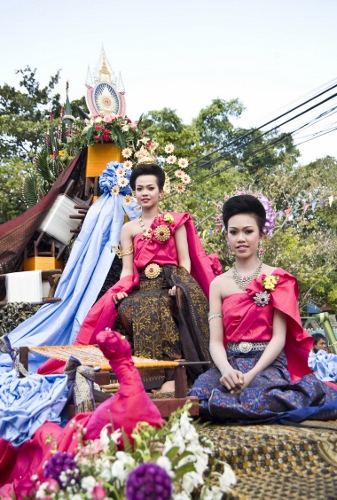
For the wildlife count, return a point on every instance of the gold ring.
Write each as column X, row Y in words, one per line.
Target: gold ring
column 152, row 271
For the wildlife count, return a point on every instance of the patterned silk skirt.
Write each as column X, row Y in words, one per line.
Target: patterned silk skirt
column 270, row 397
column 163, row 327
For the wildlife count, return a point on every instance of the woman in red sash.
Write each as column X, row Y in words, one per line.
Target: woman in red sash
column 160, row 302
column 257, row 341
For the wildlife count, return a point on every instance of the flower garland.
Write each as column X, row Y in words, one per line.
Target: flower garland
column 171, row 462
column 269, row 227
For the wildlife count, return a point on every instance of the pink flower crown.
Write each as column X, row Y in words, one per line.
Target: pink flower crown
column 269, row 227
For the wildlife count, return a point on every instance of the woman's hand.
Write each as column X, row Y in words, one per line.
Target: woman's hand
column 119, row 296
column 172, row 291
column 232, row 379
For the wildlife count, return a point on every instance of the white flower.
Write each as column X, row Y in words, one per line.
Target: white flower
column 105, row 472
column 128, row 199
column 76, row 497
column 169, row 149
column 186, row 178
column 128, row 164
column 227, row 479
column 166, row 464
column 115, row 190
column 191, row 480
column 171, row 159
column 120, row 172
column 88, row 483
column 145, row 140
column 125, row 128
column 180, row 187
column 183, row 163
column 181, row 496
column 98, row 119
column 212, row 493
column 122, row 181
column 127, row 152
column 179, row 173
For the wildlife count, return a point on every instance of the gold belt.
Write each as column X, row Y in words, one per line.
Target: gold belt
column 152, row 271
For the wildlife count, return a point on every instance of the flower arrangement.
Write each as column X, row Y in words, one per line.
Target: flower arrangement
column 269, row 227
column 104, row 128
column 171, row 462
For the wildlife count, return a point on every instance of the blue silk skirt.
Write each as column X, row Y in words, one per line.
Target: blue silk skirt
column 271, row 397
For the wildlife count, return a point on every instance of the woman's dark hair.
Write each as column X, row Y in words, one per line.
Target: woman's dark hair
column 244, row 204
column 148, row 169
column 317, row 337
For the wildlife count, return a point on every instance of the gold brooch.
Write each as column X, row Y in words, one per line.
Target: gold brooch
column 152, row 271
column 162, row 233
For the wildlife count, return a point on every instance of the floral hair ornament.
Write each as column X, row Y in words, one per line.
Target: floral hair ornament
column 269, row 226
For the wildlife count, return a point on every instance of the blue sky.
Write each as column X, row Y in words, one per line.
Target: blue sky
column 181, row 53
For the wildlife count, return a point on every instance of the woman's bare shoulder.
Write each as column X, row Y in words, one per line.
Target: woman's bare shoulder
column 268, row 269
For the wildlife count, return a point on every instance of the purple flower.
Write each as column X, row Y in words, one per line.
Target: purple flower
column 148, row 481
column 63, row 468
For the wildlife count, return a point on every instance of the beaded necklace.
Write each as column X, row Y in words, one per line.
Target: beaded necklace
column 242, row 281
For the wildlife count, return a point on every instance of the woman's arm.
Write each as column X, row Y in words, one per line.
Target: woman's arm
column 127, row 260
column 273, row 349
column 230, row 378
column 180, row 238
column 126, row 242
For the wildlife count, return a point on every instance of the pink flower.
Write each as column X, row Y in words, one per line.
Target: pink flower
column 98, row 126
column 134, row 125
column 106, row 138
column 86, row 121
column 106, row 131
column 129, row 121
column 97, row 138
column 108, row 118
column 99, row 493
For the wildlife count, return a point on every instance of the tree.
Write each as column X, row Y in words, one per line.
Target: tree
column 24, row 114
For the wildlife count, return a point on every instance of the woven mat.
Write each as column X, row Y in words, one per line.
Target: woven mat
column 278, row 461
column 90, row 355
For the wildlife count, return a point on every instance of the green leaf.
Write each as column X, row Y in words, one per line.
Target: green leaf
column 181, row 471
column 172, row 453
column 127, row 443
column 81, row 112
column 30, row 190
column 121, row 139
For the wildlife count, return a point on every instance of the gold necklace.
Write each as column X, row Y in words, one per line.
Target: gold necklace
column 147, row 233
column 242, row 281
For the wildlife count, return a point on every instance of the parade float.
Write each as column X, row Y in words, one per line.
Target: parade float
column 84, row 198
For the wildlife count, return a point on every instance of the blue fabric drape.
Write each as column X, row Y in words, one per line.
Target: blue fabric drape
column 27, row 403
column 81, row 281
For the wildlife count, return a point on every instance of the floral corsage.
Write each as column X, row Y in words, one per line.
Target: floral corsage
column 268, row 283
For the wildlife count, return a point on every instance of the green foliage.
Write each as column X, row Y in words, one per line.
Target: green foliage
column 24, row 114
column 12, row 174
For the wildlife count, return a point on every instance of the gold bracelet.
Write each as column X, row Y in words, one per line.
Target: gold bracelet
column 212, row 316
column 120, row 253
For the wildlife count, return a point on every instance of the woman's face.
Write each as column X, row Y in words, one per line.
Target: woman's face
column 321, row 345
column 243, row 235
column 147, row 191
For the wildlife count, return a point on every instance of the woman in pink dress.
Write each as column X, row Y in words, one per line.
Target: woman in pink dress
column 257, row 341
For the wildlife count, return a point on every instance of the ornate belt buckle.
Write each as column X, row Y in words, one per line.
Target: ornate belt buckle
column 245, row 347
column 152, row 271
